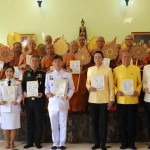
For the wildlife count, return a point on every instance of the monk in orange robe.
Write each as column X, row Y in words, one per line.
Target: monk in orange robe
column 83, row 75
column 77, row 103
column 46, row 61
column 17, row 49
column 30, row 51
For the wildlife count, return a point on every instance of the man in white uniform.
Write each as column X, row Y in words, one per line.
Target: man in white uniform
column 58, row 105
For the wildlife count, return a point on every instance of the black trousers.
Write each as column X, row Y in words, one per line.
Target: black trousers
column 34, row 119
column 99, row 115
column 147, row 109
column 127, row 123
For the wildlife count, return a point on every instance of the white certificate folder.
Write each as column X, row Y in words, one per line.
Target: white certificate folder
column 9, row 93
column 127, row 86
column 32, row 88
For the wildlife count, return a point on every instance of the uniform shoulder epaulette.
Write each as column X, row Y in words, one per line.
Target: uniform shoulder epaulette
column 66, row 70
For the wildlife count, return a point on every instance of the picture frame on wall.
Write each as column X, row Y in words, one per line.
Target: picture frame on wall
column 25, row 38
column 141, row 38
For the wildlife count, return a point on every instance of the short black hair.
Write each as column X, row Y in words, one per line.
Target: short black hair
column 9, row 66
column 99, row 52
column 57, row 57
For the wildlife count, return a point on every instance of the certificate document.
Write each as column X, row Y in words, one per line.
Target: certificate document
column 106, row 62
column 148, row 83
column 75, row 66
column 18, row 73
column 59, row 87
column 32, row 88
column 1, row 65
column 98, row 82
column 127, row 87
column 28, row 58
column 51, row 68
column 9, row 93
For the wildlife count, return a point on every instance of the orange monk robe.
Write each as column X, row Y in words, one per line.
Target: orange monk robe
column 77, row 103
column 47, row 60
column 34, row 52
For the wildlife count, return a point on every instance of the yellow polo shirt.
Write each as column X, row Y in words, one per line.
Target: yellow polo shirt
column 105, row 95
column 131, row 72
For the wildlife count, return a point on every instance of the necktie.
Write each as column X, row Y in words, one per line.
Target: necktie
column 9, row 83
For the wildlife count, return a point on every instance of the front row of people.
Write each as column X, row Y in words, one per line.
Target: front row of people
column 125, row 82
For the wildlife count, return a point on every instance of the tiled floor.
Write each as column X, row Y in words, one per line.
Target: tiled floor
column 79, row 146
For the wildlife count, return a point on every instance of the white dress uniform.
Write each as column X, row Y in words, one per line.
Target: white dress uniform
column 58, row 107
column 10, row 113
column 146, row 77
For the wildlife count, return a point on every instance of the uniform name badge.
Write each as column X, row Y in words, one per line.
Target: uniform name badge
column 59, row 87
column 75, row 66
column 98, row 82
column 9, row 93
column 28, row 59
column 32, row 88
column 127, row 86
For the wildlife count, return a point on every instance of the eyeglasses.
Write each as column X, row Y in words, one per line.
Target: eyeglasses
column 129, row 39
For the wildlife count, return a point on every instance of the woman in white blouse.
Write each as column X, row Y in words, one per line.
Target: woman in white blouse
column 10, row 98
column 146, row 89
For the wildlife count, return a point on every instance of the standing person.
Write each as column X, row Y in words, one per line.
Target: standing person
column 127, row 102
column 58, row 106
column 100, row 98
column 34, row 106
column 46, row 61
column 146, row 89
column 10, row 110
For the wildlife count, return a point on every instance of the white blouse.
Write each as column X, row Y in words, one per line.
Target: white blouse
column 9, row 107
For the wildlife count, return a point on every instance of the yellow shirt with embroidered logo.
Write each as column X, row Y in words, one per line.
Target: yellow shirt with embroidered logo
column 131, row 72
column 107, row 94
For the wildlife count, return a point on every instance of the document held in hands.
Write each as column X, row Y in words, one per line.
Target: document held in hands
column 98, row 82
column 127, row 87
column 59, row 87
column 32, row 88
column 75, row 66
column 9, row 93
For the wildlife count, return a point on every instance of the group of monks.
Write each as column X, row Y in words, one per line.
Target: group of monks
column 79, row 101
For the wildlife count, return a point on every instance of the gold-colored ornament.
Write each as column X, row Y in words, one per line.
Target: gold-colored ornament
column 138, row 52
column 61, row 46
column 92, row 44
column 6, row 54
column 12, row 38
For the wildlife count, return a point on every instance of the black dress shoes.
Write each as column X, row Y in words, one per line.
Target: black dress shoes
column 104, row 148
column 54, row 147
column 123, row 147
column 149, row 147
column 38, row 146
column 28, row 146
column 133, row 147
column 95, row 146
column 62, row 147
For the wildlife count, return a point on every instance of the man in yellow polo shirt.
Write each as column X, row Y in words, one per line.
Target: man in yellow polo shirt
column 101, row 97
column 127, row 80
